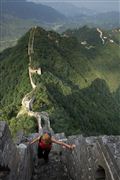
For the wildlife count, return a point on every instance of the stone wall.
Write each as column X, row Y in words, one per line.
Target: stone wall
column 93, row 158
column 15, row 161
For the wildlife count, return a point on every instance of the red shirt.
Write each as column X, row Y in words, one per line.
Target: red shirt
column 44, row 145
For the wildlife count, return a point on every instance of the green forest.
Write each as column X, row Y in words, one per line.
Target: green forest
column 79, row 86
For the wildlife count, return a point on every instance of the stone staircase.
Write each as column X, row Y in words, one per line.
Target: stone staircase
column 53, row 170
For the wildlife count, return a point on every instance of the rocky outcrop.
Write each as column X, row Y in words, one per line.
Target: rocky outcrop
column 15, row 161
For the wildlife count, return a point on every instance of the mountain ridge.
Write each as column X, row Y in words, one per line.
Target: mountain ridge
column 75, row 85
column 17, row 17
column 31, row 11
column 14, row 23
column 69, row 9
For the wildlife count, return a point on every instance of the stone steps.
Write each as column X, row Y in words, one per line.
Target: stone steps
column 53, row 170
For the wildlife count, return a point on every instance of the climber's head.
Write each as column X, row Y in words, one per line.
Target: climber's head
column 46, row 135
column 47, row 132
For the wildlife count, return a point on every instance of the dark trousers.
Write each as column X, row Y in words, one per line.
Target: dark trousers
column 43, row 153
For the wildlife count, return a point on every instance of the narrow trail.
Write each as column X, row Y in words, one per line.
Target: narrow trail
column 28, row 100
column 101, row 35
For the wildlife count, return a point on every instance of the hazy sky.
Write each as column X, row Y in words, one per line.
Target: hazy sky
column 99, row 5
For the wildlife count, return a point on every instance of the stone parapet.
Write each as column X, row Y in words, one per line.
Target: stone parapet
column 93, row 158
column 15, row 161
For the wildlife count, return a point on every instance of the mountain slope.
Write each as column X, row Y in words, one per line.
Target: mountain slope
column 108, row 20
column 29, row 10
column 69, row 9
column 11, row 29
column 79, row 75
column 17, row 17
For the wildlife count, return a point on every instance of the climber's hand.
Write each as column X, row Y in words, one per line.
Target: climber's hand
column 63, row 147
column 72, row 146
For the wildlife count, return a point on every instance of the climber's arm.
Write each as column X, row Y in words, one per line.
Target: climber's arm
column 34, row 140
column 69, row 146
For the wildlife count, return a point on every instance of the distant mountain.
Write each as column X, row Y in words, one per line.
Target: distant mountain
column 29, row 10
column 18, row 16
column 108, row 20
column 79, row 84
column 79, row 16
column 69, row 9
column 12, row 28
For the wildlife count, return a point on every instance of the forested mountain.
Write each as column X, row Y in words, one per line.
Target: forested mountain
column 79, row 86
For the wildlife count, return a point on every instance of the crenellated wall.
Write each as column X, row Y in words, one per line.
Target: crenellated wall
column 94, row 158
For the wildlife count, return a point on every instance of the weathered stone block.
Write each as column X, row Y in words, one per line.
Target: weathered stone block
column 17, row 160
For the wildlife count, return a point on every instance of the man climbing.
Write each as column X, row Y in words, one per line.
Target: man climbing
column 45, row 144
